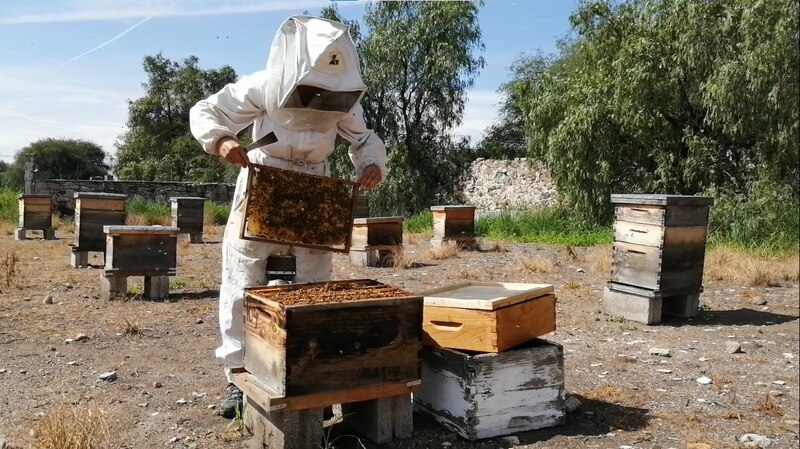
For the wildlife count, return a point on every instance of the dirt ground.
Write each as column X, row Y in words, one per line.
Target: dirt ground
column 168, row 380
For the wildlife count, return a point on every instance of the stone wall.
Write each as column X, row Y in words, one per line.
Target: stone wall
column 63, row 190
column 493, row 186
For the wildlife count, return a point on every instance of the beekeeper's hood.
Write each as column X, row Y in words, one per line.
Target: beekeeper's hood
column 314, row 76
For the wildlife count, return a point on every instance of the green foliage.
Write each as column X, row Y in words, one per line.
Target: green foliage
column 421, row 222
column 766, row 220
column 57, row 158
column 555, row 226
column 9, row 206
column 417, row 62
column 152, row 213
column 668, row 96
column 158, row 144
column 216, row 213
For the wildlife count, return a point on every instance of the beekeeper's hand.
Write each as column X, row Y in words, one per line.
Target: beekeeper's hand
column 231, row 151
column 370, row 178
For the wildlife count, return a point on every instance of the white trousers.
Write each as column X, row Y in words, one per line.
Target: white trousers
column 244, row 264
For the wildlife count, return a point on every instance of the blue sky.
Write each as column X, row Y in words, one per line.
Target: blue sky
column 68, row 67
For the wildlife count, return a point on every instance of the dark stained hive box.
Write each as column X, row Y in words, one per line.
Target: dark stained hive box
column 299, row 209
column 306, row 339
column 93, row 211
column 35, row 211
column 187, row 214
column 141, row 250
column 453, row 222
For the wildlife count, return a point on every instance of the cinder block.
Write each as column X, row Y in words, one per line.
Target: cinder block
column 381, row 420
column 283, row 430
column 682, row 306
column 631, row 306
column 79, row 259
column 113, row 287
column 156, row 287
column 49, row 234
column 19, row 234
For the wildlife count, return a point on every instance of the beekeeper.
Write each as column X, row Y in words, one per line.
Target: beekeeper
column 309, row 92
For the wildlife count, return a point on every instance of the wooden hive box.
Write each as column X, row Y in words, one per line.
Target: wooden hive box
column 141, row 250
column 487, row 316
column 362, row 207
column 35, row 211
column 453, row 222
column 300, row 342
column 93, row 211
column 298, row 209
column 187, row 213
column 491, row 394
column 659, row 242
column 372, row 233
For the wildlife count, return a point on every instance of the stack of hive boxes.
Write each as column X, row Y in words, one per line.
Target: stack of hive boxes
column 485, row 372
column 658, row 254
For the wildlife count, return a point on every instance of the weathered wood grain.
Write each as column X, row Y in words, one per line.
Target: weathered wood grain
column 484, row 295
column 486, row 395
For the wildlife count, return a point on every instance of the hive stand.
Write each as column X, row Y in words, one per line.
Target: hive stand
column 35, row 214
column 376, row 240
column 92, row 212
column 379, row 414
column 454, row 225
column 148, row 251
column 187, row 215
column 658, row 256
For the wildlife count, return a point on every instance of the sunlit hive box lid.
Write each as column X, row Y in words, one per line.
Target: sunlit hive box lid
column 298, row 209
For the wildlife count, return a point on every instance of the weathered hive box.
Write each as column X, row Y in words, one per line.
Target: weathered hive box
column 35, row 211
column 299, row 209
column 93, row 211
column 187, row 213
column 453, row 222
column 659, row 242
column 317, row 338
column 492, row 394
column 362, row 207
column 487, row 317
column 141, row 250
column 369, row 233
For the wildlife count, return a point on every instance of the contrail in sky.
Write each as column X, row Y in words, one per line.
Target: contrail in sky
column 128, row 30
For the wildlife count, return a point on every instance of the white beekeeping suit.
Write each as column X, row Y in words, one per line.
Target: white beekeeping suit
column 309, row 92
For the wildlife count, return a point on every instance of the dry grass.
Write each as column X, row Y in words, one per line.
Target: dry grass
column 536, row 264
column 469, row 273
column 130, row 327
column 745, row 268
column 8, row 268
column 572, row 285
column 60, row 224
column 613, row 394
column 494, row 247
column 770, row 407
column 599, row 258
column 148, row 220
column 397, row 258
column 67, row 427
column 444, row 252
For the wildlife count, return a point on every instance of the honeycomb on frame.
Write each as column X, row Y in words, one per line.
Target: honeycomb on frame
column 298, row 209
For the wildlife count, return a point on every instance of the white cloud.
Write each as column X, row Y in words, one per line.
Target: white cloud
column 479, row 113
column 12, row 13
column 34, row 105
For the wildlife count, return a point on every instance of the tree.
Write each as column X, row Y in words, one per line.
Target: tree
column 669, row 96
column 506, row 138
column 417, row 62
column 158, row 144
column 57, row 158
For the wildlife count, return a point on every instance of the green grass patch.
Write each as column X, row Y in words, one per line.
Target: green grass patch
column 422, row 222
column 9, row 206
column 216, row 213
column 148, row 213
column 553, row 226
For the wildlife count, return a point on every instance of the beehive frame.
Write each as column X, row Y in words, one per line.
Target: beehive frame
column 270, row 200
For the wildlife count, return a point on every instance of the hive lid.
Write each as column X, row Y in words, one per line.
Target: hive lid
column 484, row 295
column 662, row 200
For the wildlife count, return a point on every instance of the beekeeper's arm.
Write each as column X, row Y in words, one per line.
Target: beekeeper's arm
column 217, row 120
column 367, row 151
